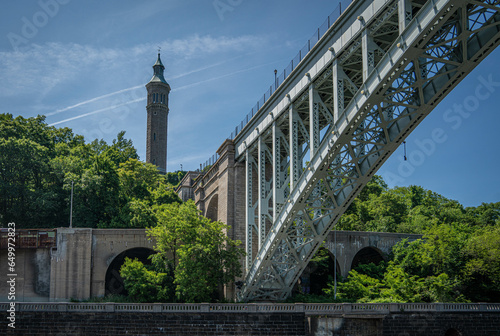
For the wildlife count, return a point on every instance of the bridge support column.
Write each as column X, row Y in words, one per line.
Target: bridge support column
column 278, row 197
column 368, row 52
column 338, row 90
column 249, row 208
column 263, row 199
column 231, row 197
column 294, row 147
column 313, row 120
column 404, row 14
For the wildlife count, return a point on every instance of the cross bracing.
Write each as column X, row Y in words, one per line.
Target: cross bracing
column 345, row 111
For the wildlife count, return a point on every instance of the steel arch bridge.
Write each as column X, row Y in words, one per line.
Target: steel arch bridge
column 361, row 90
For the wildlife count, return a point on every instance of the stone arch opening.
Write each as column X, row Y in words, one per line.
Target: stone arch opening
column 452, row 332
column 367, row 255
column 114, row 282
column 213, row 208
column 319, row 272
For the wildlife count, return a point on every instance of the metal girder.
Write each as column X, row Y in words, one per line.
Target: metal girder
column 442, row 43
column 264, row 190
column 250, row 208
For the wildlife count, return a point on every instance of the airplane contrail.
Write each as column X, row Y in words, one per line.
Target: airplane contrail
column 176, row 89
column 93, row 100
column 97, row 111
column 133, row 88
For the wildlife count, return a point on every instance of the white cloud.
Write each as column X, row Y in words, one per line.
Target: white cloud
column 43, row 67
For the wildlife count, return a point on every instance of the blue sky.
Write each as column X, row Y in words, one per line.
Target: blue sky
column 84, row 65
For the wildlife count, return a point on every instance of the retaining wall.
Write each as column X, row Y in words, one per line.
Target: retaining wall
column 252, row 319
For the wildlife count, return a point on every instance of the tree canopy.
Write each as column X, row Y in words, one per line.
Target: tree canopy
column 112, row 188
column 457, row 260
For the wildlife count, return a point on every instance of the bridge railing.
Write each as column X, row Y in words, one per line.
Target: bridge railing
column 307, row 308
column 329, row 21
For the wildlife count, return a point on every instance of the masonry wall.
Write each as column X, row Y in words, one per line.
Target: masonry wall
column 36, row 323
column 405, row 324
column 309, row 319
column 189, row 324
column 476, row 324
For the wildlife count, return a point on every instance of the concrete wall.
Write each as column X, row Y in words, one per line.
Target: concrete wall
column 78, row 266
column 33, row 275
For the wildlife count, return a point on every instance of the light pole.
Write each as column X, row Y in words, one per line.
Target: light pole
column 335, row 266
column 71, row 208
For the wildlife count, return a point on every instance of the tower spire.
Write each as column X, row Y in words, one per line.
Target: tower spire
column 158, row 71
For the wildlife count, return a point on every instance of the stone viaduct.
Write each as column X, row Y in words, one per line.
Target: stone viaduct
column 82, row 263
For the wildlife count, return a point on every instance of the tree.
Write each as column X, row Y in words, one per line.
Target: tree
column 482, row 268
column 145, row 284
column 209, row 263
column 202, row 258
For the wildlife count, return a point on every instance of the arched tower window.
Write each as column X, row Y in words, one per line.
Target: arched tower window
column 154, row 136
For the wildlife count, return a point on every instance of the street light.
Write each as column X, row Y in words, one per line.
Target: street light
column 71, row 208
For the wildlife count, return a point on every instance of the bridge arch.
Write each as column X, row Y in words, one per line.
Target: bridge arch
column 366, row 255
column 113, row 281
column 318, row 274
column 213, row 208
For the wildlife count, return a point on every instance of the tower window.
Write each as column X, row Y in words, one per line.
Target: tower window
column 154, row 136
column 155, row 113
column 154, row 161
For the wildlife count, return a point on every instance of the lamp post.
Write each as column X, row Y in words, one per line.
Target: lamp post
column 335, row 266
column 71, row 208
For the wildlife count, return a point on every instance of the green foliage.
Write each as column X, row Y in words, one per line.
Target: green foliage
column 146, row 285
column 357, row 288
column 203, row 257
column 174, row 178
column 482, row 268
column 455, row 261
column 38, row 164
column 194, row 249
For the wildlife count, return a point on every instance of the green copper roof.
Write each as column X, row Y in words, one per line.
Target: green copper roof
column 158, row 72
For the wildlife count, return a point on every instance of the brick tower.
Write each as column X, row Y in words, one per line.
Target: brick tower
column 157, row 109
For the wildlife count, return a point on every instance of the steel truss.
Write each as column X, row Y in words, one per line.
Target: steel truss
column 316, row 158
